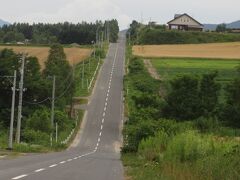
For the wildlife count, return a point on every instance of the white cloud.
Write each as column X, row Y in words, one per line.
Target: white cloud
column 76, row 11
column 206, row 11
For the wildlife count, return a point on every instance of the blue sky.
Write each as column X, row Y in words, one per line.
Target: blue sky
column 161, row 11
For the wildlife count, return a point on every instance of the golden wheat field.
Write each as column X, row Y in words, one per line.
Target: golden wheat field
column 74, row 54
column 212, row 50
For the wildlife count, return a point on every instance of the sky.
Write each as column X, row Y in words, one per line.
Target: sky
column 160, row 11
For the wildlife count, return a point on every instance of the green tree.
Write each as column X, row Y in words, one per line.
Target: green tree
column 40, row 121
column 231, row 112
column 8, row 63
column 57, row 65
column 183, row 99
column 221, row 28
column 209, row 93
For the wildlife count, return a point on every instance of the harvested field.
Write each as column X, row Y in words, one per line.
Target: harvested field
column 74, row 55
column 213, row 50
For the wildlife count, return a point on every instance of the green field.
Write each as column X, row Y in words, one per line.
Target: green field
column 170, row 68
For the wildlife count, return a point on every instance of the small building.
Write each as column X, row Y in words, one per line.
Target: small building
column 185, row 22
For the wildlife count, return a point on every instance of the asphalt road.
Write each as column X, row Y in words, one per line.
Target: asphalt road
column 96, row 154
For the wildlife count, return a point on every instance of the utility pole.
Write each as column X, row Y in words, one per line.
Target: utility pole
column 53, row 105
column 18, row 134
column 56, row 132
column 108, row 32
column 53, row 100
column 97, row 36
column 83, row 75
column 129, row 38
column 94, row 50
column 10, row 144
column 102, row 39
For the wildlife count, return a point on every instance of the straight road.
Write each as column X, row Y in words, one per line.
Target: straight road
column 95, row 155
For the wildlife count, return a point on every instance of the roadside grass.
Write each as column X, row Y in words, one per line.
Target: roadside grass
column 139, row 169
column 168, row 149
column 188, row 155
column 83, row 79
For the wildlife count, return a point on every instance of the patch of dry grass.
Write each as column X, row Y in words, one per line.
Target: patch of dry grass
column 212, row 50
column 74, row 54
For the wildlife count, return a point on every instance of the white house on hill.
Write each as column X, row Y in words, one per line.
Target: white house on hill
column 185, row 22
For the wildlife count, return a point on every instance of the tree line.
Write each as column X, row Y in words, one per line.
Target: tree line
column 36, row 124
column 199, row 100
column 159, row 34
column 64, row 33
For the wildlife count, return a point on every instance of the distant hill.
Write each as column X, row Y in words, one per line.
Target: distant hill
column 233, row 25
column 2, row 22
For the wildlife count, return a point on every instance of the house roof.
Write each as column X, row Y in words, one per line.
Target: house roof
column 177, row 16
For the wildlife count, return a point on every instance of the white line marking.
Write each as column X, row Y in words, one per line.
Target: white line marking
column 75, row 158
column 39, row 170
column 105, row 108
column 103, row 120
column 100, row 134
column 54, row 165
column 104, row 114
column 62, row 162
column 107, row 99
column 19, row 177
column 97, row 144
column 106, row 103
column 69, row 160
column 101, row 127
column 99, row 139
column 107, row 96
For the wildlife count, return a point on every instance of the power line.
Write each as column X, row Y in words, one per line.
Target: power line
column 36, row 103
column 64, row 91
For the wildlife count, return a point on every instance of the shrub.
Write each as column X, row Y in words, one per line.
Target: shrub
column 189, row 146
column 36, row 137
column 40, row 121
column 207, row 124
column 135, row 65
column 63, row 121
column 100, row 53
column 134, row 134
column 183, row 100
column 152, row 148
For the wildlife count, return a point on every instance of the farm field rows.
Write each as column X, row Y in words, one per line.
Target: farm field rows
column 212, row 50
column 74, row 54
column 169, row 68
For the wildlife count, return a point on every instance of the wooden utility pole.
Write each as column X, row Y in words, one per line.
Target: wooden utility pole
column 53, row 106
column 18, row 133
column 10, row 143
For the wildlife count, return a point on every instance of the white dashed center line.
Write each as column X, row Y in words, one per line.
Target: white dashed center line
column 20, row 177
column 39, row 170
column 54, row 165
